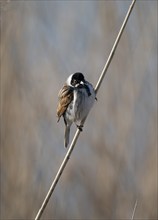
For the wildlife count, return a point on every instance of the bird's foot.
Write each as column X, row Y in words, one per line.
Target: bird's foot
column 80, row 127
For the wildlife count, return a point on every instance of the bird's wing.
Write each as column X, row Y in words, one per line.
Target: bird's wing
column 65, row 97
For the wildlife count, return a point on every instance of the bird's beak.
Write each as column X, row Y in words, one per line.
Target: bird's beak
column 82, row 82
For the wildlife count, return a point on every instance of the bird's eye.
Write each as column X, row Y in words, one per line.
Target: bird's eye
column 74, row 82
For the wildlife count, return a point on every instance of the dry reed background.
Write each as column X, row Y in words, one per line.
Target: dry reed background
column 114, row 162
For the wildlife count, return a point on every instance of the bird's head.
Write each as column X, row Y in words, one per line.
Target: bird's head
column 76, row 79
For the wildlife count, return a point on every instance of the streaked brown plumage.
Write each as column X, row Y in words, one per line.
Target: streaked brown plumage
column 65, row 97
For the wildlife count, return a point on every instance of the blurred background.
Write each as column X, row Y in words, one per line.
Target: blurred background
column 115, row 159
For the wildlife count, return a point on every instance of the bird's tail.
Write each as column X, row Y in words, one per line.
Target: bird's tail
column 67, row 135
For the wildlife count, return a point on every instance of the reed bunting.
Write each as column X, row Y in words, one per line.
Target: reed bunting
column 76, row 98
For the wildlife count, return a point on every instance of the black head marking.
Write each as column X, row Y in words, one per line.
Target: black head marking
column 77, row 78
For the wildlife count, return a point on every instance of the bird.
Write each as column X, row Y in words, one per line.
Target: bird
column 75, row 100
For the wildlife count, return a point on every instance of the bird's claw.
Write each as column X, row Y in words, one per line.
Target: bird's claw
column 80, row 127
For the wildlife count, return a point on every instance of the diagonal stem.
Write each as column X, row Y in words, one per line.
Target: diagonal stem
column 68, row 154
column 114, row 47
